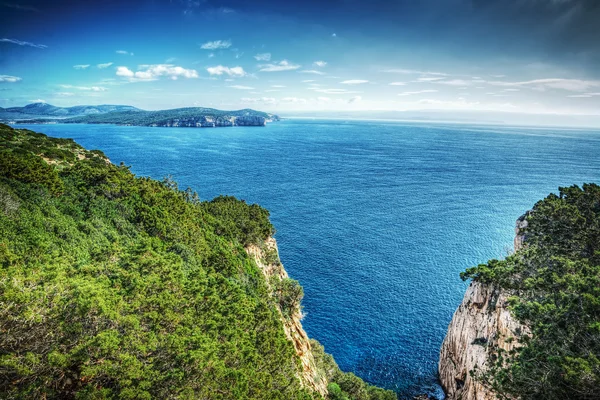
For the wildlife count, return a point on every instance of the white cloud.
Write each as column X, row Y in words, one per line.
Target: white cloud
column 332, row 91
column 320, row 64
column 240, row 87
column 125, row 52
column 459, row 103
column 9, row 78
column 308, row 80
column 22, row 43
column 354, row 99
column 87, row 88
column 354, row 82
column 412, row 71
column 217, row 44
column 571, row 85
column 278, row 86
column 429, row 78
column 222, row 70
column 280, row 66
column 334, row 35
column 454, row 82
column 65, row 94
column 311, row 71
column 38, row 101
column 324, row 99
column 211, row 55
column 262, row 100
column 417, row 92
column 105, row 65
column 263, row 57
column 81, row 66
column 585, row 95
column 397, row 84
column 153, row 72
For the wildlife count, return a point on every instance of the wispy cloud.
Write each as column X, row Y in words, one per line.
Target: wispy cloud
column 222, row 70
column 38, row 101
column 23, row 43
column 280, row 66
column 355, row 99
column 308, row 80
column 217, row 44
column 81, row 66
column 320, row 64
column 278, row 86
column 21, row 7
column 415, row 72
column 153, row 72
column 261, row 100
column 572, row 85
column 311, row 71
column 417, row 92
column 585, row 95
column 9, row 78
column 241, row 87
column 397, row 84
column 124, row 52
column 429, row 78
column 453, row 82
column 263, row 57
column 105, row 65
column 354, row 82
column 332, row 91
column 88, row 88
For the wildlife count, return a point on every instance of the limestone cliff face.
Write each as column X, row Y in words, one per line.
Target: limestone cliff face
column 481, row 324
column 272, row 269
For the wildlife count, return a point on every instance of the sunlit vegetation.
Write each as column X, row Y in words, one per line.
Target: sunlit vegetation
column 556, row 284
column 114, row 286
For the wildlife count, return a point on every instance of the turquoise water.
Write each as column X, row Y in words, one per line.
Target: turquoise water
column 375, row 219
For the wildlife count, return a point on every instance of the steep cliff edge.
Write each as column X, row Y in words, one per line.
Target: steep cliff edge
column 267, row 259
column 481, row 325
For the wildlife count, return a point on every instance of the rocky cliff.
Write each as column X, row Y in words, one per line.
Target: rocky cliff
column 481, row 325
column 267, row 259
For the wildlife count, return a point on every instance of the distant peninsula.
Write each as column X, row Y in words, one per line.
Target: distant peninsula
column 196, row 117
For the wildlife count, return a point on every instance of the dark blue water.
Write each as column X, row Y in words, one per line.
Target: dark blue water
column 375, row 219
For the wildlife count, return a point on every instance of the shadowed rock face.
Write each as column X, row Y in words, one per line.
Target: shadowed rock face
column 481, row 325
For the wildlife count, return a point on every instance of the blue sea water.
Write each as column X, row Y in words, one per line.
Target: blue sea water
column 375, row 219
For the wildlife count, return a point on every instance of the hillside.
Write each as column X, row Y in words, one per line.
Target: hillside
column 45, row 110
column 114, row 286
column 529, row 326
column 125, row 115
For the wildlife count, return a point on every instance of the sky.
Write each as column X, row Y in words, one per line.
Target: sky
column 523, row 56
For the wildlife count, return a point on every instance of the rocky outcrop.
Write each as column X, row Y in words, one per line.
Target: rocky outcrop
column 250, row 120
column 481, row 325
column 267, row 259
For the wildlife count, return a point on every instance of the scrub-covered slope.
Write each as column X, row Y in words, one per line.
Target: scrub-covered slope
column 115, row 286
column 540, row 308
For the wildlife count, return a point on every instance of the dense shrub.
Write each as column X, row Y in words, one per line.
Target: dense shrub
column 556, row 281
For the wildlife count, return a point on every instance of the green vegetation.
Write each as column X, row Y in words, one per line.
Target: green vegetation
column 190, row 115
column 556, row 284
column 119, row 287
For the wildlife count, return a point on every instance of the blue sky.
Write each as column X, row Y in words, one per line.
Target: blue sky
column 532, row 56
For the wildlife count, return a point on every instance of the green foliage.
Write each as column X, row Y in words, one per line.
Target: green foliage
column 162, row 117
column 556, row 281
column 119, row 287
column 345, row 385
column 290, row 294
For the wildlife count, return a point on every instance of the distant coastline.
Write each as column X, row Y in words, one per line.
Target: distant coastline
column 196, row 117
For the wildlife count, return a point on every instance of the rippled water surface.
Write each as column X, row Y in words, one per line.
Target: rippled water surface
column 375, row 219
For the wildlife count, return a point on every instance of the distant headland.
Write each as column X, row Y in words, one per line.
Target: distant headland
column 196, row 117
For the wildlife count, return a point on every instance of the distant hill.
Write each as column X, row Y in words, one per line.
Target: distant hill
column 45, row 110
column 179, row 117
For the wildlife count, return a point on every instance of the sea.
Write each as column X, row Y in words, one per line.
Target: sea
column 376, row 219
